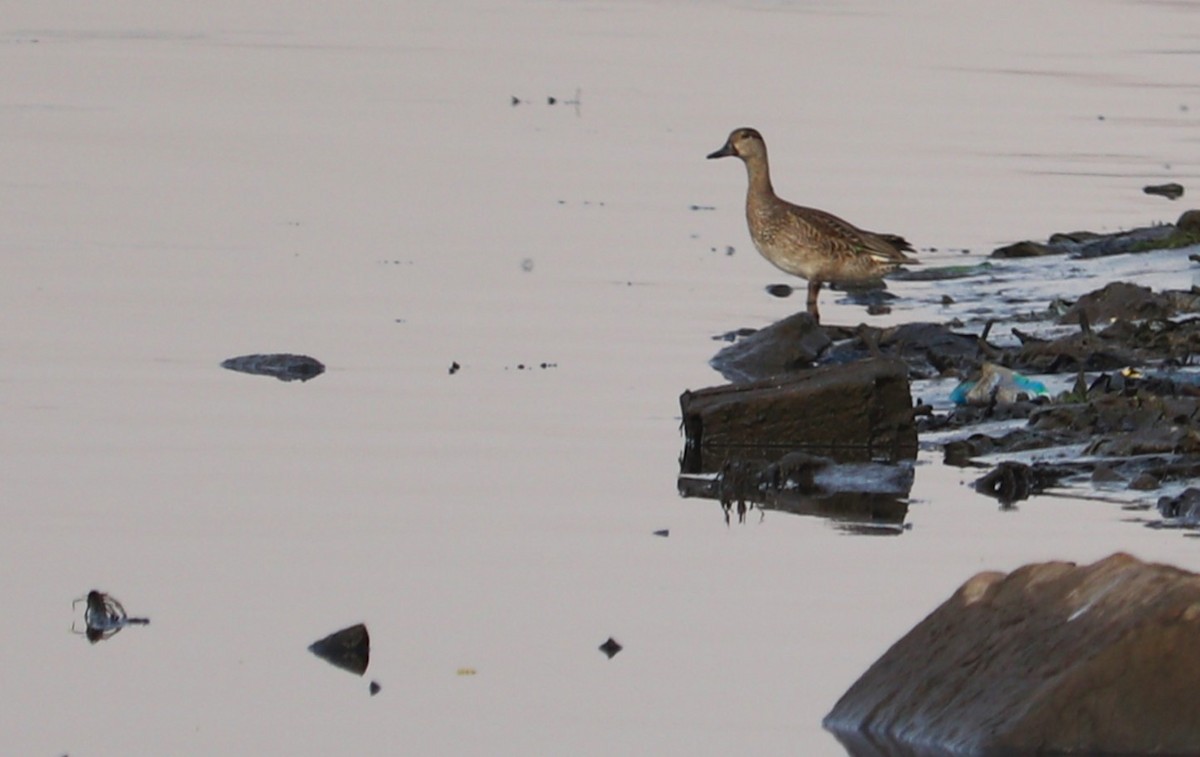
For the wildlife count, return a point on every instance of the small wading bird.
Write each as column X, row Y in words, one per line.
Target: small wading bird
column 806, row 242
column 104, row 616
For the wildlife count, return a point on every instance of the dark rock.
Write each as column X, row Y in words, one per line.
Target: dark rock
column 1135, row 240
column 783, row 347
column 374, row 688
column 611, row 647
column 929, row 349
column 1090, row 245
column 1119, row 300
column 854, row 413
column 1189, row 222
column 1104, row 474
column 1184, row 508
column 1051, row 658
column 282, row 366
column 1171, row 191
column 1145, row 482
column 1026, row 250
column 663, row 532
column 780, row 290
column 348, row 649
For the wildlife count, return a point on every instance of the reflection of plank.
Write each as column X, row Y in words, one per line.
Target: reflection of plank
column 851, row 413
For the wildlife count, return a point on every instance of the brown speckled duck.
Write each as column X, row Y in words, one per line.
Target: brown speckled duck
column 806, row 242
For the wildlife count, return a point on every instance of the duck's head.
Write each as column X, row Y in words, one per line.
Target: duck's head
column 742, row 143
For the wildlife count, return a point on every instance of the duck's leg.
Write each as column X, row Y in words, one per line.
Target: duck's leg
column 814, row 289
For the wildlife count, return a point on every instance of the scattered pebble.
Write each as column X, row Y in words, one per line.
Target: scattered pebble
column 663, row 532
column 780, row 290
column 454, row 368
column 374, row 688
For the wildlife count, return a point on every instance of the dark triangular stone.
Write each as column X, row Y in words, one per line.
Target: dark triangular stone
column 348, row 649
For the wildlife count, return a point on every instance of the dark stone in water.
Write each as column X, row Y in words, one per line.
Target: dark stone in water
column 348, row 649
column 611, row 647
column 663, row 532
column 852, row 413
column 780, row 290
column 1171, row 191
column 374, row 688
column 783, row 347
column 1184, row 508
column 1011, row 482
column 1082, row 244
column 282, row 366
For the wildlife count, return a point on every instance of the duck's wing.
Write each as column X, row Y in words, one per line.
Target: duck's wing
column 843, row 237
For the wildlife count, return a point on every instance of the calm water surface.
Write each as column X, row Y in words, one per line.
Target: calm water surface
column 183, row 184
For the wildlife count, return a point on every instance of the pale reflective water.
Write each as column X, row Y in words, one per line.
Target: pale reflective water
column 184, row 184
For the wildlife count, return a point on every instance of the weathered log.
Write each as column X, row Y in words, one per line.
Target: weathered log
column 1051, row 658
column 851, row 413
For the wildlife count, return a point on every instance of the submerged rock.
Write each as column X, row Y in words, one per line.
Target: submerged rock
column 283, row 366
column 1051, row 658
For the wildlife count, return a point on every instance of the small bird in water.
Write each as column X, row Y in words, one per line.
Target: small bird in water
column 806, row 242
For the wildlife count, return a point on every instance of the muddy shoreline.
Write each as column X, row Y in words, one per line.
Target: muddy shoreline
column 1121, row 414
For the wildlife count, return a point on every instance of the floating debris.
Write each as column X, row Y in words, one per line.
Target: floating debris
column 282, row 366
column 611, row 647
column 1170, row 191
column 348, row 649
column 455, row 367
column 663, row 532
column 103, row 617
column 996, row 385
column 466, row 671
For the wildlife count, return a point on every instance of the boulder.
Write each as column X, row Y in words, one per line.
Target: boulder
column 859, row 412
column 1051, row 658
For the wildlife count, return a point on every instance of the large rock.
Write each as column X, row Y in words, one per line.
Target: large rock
column 1051, row 658
column 859, row 412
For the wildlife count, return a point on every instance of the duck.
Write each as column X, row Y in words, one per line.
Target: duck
column 815, row 245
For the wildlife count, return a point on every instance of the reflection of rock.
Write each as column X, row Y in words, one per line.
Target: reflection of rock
column 1051, row 658
column 282, row 366
column 348, row 649
column 852, row 413
column 867, row 497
